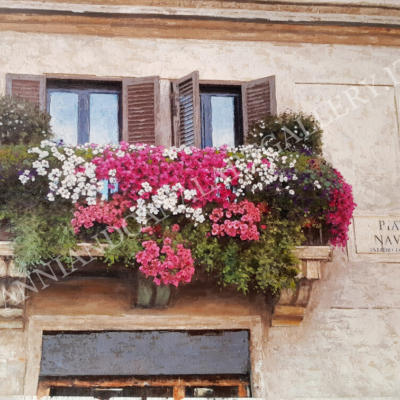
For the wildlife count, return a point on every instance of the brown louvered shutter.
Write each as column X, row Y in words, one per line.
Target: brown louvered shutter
column 140, row 110
column 259, row 100
column 186, row 111
column 27, row 87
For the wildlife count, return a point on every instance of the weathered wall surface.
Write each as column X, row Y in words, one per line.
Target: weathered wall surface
column 12, row 362
column 348, row 344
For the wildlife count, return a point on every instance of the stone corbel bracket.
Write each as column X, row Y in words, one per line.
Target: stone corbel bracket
column 11, row 306
column 291, row 306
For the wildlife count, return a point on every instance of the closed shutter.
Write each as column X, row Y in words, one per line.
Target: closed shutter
column 27, row 87
column 140, row 109
column 186, row 111
column 259, row 100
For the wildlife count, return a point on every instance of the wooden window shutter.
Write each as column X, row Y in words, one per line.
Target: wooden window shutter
column 27, row 87
column 140, row 110
column 259, row 100
column 186, row 111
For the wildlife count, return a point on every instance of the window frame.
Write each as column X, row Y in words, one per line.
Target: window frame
column 84, row 88
column 221, row 90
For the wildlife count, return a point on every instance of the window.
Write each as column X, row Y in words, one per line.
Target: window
column 221, row 116
column 84, row 111
column 145, row 364
column 217, row 114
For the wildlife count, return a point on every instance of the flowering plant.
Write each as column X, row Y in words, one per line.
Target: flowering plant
column 175, row 267
column 22, row 122
column 238, row 211
column 245, row 227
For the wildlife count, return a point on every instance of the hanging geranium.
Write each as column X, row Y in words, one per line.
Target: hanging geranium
column 166, row 265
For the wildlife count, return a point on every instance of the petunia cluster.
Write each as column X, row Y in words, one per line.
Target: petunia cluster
column 69, row 175
column 224, row 222
column 109, row 213
column 178, row 180
column 339, row 217
column 256, row 167
column 151, row 180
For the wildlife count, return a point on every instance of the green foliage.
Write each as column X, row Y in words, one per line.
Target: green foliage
column 41, row 230
column 126, row 244
column 268, row 264
column 288, row 132
column 41, row 234
column 22, row 122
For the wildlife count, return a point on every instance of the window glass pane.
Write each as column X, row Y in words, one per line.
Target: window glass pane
column 103, row 118
column 223, row 121
column 64, row 116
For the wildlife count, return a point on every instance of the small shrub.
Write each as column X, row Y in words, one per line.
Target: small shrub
column 22, row 122
column 288, row 132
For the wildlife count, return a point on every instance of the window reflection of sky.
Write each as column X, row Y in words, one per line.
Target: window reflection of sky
column 64, row 116
column 223, row 120
column 103, row 118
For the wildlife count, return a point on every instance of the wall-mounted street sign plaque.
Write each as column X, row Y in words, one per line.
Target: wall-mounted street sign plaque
column 375, row 238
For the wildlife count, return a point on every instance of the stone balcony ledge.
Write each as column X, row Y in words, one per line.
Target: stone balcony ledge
column 289, row 310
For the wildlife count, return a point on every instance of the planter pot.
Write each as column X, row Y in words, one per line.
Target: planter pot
column 150, row 295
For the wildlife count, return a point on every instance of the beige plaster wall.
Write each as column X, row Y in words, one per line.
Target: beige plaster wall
column 348, row 344
column 12, row 362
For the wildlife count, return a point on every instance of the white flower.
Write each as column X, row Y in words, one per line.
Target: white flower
column 23, row 179
column 291, row 191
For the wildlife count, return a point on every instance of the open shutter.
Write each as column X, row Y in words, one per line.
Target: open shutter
column 27, row 87
column 186, row 111
column 259, row 100
column 140, row 110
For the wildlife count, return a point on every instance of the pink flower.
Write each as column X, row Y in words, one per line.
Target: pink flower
column 148, row 229
column 177, row 267
column 245, row 227
column 175, row 228
column 108, row 213
column 341, row 211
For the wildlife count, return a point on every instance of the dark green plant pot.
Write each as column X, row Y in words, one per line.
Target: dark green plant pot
column 150, row 295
